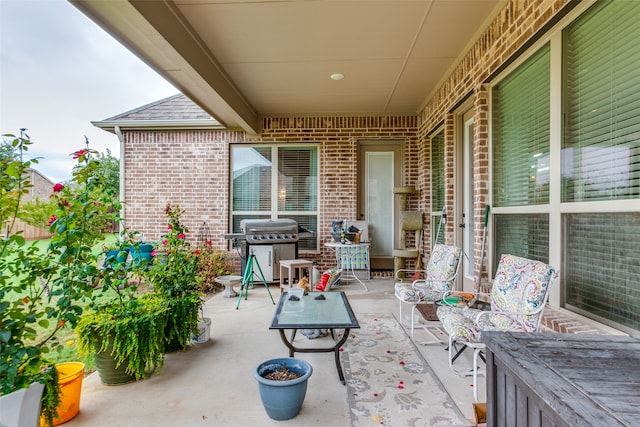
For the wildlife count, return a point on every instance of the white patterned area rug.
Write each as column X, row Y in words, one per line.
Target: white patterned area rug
column 388, row 381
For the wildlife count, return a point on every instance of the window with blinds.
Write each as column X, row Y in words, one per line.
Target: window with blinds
column 270, row 182
column 437, row 186
column 520, row 125
column 524, row 235
column 602, row 276
column 601, row 84
column 251, row 178
column 601, row 162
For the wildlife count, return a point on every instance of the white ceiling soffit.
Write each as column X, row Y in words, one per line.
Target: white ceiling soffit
column 240, row 60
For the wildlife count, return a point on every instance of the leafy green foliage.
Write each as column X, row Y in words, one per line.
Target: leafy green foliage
column 37, row 212
column 176, row 267
column 212, row 263
column 45, row 288
column 174, row 275
column 131, row 329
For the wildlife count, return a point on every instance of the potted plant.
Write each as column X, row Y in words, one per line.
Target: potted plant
column 114, row 254
column 41, row 288
column 283, row 386
column 175, row 279
column 126, row 334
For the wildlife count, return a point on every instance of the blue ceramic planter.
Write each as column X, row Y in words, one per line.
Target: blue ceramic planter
column 115, row 256
column 283, row 399
column 141, row 253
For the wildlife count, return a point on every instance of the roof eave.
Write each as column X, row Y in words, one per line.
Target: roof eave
column 131, row 125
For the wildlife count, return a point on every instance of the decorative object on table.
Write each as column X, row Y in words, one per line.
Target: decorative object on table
column 343, row 233
column 283, row 399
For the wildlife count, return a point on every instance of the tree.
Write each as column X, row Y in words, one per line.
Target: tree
column 105, row 168
column 7, row 151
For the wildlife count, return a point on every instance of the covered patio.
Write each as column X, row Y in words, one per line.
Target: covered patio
column 212, row 384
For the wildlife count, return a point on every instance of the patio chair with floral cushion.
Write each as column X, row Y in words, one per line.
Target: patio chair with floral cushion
column 518, row 297
column 430, row 285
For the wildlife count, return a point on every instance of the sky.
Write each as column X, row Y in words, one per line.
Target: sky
column 59, row 71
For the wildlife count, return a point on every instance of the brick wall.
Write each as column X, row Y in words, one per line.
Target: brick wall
column 191, row 169
column 511, row 32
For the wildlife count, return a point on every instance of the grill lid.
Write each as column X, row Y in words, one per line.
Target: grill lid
column 261, row 226
column 257, row 231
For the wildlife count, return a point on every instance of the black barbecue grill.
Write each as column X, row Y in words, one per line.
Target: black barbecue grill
column 271, row 240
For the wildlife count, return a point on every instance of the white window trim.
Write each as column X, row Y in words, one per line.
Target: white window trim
column 273, row 213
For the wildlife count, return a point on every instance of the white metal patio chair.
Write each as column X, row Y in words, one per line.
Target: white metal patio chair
column 430, row 285
column 518, row 297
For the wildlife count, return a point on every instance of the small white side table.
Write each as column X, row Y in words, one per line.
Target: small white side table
column 228, row 282
column 352, row 256
column 292, row 265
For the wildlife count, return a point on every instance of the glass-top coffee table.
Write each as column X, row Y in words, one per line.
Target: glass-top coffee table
column 315, row 310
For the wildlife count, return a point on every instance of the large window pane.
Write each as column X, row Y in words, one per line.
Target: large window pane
column 520, row 126
column 437, row 172
column 251, row 175
column 601, row 269
column 294, row 194
column 601, row 77
column 525, row 235
column 297, row 179
column 437, row 187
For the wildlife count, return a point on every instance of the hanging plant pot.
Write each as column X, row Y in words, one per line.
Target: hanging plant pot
column 109, row 371
column 282, row 399
column 21, row 408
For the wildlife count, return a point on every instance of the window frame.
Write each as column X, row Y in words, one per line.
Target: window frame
column 274, row 212
column 435, row 211
column 556, row 209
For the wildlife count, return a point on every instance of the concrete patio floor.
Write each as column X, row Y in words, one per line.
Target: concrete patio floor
column 212, row 384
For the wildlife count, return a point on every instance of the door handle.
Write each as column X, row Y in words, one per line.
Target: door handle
column 461, row 225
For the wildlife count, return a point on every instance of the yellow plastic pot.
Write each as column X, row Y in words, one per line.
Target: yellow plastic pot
column 70, row 375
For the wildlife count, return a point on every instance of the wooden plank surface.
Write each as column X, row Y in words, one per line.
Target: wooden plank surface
column 581, row 379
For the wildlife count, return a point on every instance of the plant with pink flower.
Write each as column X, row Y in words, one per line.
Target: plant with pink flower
column 45, row 288
column 174, row 275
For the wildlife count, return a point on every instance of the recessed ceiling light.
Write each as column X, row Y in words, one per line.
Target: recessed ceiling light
column 337, row 76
